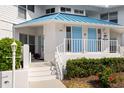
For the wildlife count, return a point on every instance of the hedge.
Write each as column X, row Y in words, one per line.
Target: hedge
column 6, row 54
column 85, row 67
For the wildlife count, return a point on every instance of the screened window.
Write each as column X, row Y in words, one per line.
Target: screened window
column 113, row 16
column 78, row 11
column 63, row 9
column 51, row 10
column 22, row 11
column 31, row 8
column 104, row 16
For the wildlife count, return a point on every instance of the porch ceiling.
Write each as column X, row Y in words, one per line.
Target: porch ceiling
column 67, row 18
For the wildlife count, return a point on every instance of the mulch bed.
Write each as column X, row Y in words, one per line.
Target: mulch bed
column 92, row 82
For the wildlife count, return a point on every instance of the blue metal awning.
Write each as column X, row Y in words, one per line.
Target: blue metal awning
column 67, row 18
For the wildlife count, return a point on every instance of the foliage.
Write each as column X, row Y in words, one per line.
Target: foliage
column 6, row 54
column 105, row 77
column 85, row 67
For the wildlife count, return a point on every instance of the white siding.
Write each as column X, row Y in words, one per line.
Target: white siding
column 9, row 16
column 10, row 13
column 49, row 41
column 121, row 16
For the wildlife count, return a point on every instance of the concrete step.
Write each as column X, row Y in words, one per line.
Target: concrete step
column 34, row 69
column 40, row 73
column 40, row 64
column 42, row 78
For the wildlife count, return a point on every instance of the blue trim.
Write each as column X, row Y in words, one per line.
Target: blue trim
column 76, row 35
column 92, row 40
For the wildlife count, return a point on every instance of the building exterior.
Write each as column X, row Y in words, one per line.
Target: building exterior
column 57, row 33
column 36, row 36
column 23, row 13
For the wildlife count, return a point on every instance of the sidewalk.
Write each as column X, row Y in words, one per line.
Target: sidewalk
column 47, row 84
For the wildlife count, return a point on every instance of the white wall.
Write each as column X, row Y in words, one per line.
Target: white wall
column 60, row 33
column 21, row 79
column 117, row 36
column 121, row 16
column 9, row 16
column 5, row 29
column 10, row 13
column 49, row 41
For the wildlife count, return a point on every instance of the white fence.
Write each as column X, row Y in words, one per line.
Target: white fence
column 90, row 45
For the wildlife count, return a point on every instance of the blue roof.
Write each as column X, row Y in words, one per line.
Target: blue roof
column 67, row 18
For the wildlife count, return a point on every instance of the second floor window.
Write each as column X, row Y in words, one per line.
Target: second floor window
column 63, row 9
column 31, row 8
column 22, row 11
column 104, row 16
column 112, row 17
column 51, row 10
column 78, row 11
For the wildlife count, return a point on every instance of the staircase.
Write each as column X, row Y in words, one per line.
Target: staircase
column 40, row 71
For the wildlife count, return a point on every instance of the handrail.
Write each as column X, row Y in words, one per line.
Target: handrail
column 59, row 61
column 90, row 45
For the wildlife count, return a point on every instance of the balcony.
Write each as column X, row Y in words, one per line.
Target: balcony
column 89, row 45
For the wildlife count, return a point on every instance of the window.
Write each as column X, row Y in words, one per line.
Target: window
column 31, row 8
column 63, row 9
column 48, row 11
column 104, row 16
column 22, row 11
column 78, row 11
column 68, row 32
column 68, row 36
column 112, row 16
column 23, row 38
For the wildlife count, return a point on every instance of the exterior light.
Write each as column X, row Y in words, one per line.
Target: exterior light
column 13, row 46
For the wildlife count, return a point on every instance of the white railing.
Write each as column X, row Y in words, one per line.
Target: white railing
column 59, row 62
column 90, row 45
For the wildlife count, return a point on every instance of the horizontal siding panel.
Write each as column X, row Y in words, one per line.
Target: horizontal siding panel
column 5, row 33
column 6, row 26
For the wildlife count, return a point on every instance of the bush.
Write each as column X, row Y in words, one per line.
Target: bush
column 85, row 67
column 6, row 51
column 105, row 76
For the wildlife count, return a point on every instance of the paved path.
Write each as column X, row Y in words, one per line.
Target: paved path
column 47, row 84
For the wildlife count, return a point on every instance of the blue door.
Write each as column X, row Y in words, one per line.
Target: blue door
column 76, row 39
column 92, row 40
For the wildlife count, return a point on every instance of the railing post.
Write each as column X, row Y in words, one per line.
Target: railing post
column 101, row 45
column 84, row 45
column 26, row 56
column 117, row 46
column 64, row 45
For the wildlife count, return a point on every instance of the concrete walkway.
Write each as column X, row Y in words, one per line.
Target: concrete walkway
column 47, row 84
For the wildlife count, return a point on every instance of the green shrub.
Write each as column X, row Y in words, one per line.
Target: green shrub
column 6, row 51
column 105, row 76
column 84, row 67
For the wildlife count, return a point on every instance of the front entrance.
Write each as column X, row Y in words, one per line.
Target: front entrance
column 77, row 39
column 36, row 45
column 74, row 39
column 92, row 40
column 32, row 44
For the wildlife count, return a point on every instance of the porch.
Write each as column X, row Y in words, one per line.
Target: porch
column 90, row 45
column 69, row 34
